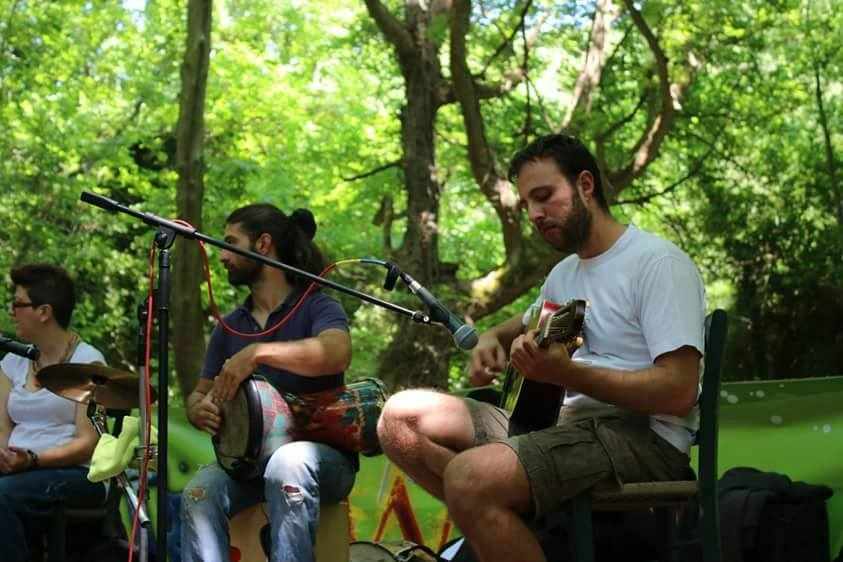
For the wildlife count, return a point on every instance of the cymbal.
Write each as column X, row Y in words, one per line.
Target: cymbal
column 83, row 382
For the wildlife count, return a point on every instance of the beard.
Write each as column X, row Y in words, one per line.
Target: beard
column 245, row 274
column 573, row 231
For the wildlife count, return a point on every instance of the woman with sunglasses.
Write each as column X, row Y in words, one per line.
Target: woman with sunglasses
column 46, row 441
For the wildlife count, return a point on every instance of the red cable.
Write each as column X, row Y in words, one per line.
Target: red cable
column 215, row 310
column 147, row 405
column 147, row 356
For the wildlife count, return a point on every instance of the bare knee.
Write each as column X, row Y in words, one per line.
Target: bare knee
column 466, row 487
column 398, row 425
column 484, row 478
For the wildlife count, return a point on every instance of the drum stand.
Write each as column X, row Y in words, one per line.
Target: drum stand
column 96, row 413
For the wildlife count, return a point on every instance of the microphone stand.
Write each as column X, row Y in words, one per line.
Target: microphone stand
column 143, row 542
column 164, row 238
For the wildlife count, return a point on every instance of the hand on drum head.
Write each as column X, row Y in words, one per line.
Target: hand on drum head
column 235, row 370
column 207, row 415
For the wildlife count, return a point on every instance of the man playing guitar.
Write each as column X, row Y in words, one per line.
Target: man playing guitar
column 630, row 406
column 308, row 353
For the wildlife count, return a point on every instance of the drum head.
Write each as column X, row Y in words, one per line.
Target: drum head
column 234, row 442
column 255, row 423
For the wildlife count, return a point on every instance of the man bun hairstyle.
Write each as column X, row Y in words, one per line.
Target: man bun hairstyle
column 292, row 236
column 571, row 157
column 305, row 221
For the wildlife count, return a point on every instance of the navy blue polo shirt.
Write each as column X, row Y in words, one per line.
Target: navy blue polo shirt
column 318, row 313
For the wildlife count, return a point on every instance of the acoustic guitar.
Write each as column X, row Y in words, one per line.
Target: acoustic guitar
column 535, row 405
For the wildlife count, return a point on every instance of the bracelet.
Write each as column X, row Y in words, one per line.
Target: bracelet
column 33, row 458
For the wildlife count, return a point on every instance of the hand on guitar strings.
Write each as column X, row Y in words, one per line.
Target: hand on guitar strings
column 487, row 360
column 550, row 365
column 235, row 370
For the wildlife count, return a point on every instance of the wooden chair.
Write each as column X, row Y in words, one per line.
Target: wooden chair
column 669, row 498
column 105, row 516
column 332, row 538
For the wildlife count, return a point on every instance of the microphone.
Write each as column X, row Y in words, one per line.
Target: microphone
column 391, row 276
column 392, row 271
column 464, row 336
column 19, row 348
column 104, row 203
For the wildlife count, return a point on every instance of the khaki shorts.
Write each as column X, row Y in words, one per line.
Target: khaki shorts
column 608, row 449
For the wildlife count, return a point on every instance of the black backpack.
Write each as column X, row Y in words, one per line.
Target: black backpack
column 764, row 516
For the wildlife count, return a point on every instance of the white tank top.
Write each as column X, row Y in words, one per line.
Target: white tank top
column 43, row 420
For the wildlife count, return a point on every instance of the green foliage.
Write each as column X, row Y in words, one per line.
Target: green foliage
column 304, row 96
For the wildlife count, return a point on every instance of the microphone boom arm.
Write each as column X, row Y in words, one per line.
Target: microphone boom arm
column 189, row 232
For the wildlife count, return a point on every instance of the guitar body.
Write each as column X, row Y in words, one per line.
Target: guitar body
column 535, row 405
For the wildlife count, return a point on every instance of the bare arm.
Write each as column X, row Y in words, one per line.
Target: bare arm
column 202, row 412
column 6, row 424
column 489, row 356
column 326, row 354
column 669, row 386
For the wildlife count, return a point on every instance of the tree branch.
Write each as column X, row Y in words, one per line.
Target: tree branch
column 384, row 218
column 595, row 60
column 497, row 190
column 511, row 78
column 504, row 284
column 391, row 28
column 601, row 137
column 395, row 164
column 693, row 171
column 507, row 42
column 647, row 147
column 545, row 115
column 831, row 163
column 653, row 43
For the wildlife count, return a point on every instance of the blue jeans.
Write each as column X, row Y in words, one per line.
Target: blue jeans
column 296, row 479
column 25, row 497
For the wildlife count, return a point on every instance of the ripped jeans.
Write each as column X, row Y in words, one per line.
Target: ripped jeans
column 297, row 477
column 25, row 497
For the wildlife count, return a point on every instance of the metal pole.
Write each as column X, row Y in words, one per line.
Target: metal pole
column 164, row 239
column 143, row 543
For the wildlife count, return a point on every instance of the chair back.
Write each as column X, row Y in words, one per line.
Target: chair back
column 715, row 340
column 715, row 343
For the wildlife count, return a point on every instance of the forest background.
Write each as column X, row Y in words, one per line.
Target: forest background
column 717, row 123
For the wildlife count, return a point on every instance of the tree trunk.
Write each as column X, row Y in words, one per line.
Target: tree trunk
column 748, row 303
column 188, row 317
column 831, row 161
column 415, row 355
column 418, row 356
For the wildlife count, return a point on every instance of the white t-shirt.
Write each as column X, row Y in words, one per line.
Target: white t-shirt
column 43, row 420
column 646, row 298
